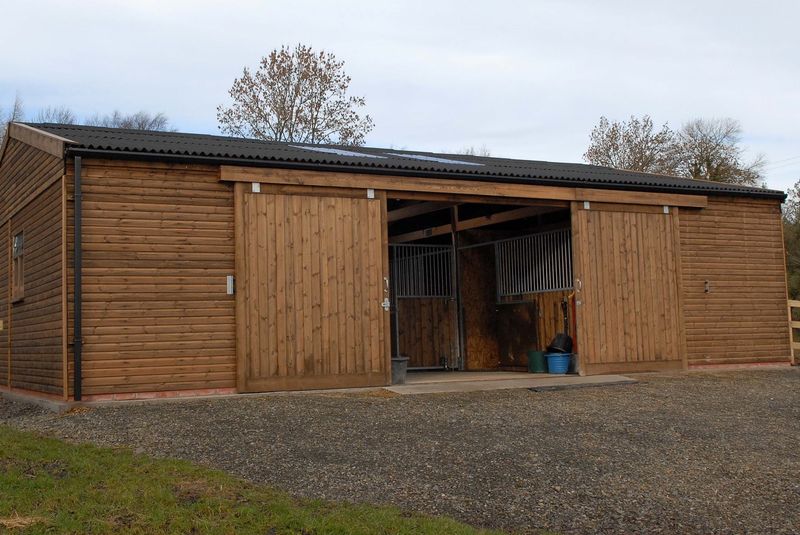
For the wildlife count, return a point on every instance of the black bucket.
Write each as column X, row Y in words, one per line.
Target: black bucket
column 562, row 343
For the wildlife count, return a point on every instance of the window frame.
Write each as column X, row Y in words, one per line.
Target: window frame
column 18, row 267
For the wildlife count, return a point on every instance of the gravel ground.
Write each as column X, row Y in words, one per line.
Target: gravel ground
column 686, row 453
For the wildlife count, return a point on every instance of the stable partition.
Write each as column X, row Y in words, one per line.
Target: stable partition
column 425, row 320
column 514, row 292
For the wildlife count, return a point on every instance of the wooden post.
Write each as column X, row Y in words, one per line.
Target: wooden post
column 676, row 226
column 456, row 284
column 792, row 326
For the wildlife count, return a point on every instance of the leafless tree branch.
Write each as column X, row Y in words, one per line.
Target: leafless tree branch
column 295, row 95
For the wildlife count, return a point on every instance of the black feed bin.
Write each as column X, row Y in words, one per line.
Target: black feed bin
column 559, row 356
column 562, row 343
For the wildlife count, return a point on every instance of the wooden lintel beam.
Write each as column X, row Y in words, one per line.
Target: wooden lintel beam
column 475, row 222
column 421, row 234
column 414, row 210
column 498, row 190
column 503, row 217
column 472, row 199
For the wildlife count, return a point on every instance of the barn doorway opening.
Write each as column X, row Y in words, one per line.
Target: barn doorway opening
column 476, row 284
column 426, row 318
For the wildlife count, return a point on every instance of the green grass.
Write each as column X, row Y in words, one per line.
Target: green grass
column 49, row 486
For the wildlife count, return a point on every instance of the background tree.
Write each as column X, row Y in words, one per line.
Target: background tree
column 705, row 149
column 791, row 237
column 709, row 149
column 295, row 95
column 483, row 150
column 634, row 145
column 14, row 113
column 140, row 120
column 56, row 114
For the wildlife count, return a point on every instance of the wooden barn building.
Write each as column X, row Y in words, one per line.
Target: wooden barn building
column 138, row 263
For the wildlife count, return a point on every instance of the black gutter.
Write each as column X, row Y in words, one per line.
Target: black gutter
column 343, row 168
column 77, row 343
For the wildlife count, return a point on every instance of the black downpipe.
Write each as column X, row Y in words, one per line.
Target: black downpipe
column 77, row 343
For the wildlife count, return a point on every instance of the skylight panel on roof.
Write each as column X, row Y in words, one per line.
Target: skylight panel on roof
column 339, row 152
column 432, row 159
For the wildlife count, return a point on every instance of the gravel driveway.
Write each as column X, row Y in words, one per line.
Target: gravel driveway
column 686, row 453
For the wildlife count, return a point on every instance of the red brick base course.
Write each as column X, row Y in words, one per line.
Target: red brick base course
column 746, row 366
column 130, row 396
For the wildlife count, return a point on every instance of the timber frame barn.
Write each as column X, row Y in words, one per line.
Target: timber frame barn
column 143, row 264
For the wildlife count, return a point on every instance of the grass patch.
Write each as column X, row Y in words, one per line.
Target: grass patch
column 49, row 486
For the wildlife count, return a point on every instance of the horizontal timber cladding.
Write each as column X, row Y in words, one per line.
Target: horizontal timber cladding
column 36, row 328
column 310, row 286
column 31, row 339
column 158, row 245
column 629, row 313
column 735, row 244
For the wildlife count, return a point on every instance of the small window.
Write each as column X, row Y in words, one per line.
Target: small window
column 18, row 267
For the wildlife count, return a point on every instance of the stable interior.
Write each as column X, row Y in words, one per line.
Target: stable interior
column 475, row 285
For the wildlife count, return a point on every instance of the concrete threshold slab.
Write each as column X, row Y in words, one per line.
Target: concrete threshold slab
column 532, row 383
column 53, row 405
column 419, row 378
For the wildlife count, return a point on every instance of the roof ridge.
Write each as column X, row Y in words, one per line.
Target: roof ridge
column 210, row 146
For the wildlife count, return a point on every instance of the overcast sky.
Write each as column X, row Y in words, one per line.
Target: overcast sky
column 525, row 79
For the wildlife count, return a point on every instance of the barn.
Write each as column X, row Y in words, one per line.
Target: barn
column 138, row 263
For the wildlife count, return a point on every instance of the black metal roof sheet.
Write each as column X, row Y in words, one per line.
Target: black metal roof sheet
column 376, row 160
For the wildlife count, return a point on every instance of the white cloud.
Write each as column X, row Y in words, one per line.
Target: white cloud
column 527, row 79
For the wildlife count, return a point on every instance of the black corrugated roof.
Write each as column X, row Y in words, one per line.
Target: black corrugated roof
column 376, row 160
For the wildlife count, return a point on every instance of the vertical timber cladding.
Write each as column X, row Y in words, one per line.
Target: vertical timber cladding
column 310, row 282
column 627, row 260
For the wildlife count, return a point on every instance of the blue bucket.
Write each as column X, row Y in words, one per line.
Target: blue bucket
column 558, row 362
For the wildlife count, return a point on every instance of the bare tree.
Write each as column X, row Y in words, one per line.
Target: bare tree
column 14, row 113
column 791, row 238
column 709, row 149
column 483, row 150
column 56, row 114
column 634, row 145
column 295, row 95
column 791, row 206
column 141, row 120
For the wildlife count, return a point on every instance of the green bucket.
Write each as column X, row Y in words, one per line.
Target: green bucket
column 536, row 362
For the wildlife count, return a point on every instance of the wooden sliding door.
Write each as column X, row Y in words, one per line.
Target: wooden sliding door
column 310, row 283
column 628, row 303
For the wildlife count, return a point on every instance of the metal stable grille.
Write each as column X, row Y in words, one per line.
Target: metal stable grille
column 535, row 263
column 422, row 270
